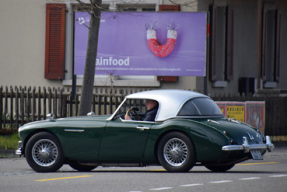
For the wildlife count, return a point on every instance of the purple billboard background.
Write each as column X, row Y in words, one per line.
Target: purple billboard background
column 123, row 48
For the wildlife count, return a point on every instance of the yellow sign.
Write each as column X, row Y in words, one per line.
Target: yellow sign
column 236, row 112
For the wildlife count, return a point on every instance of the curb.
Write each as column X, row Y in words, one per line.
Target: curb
column 281, row 144
column 7, row 153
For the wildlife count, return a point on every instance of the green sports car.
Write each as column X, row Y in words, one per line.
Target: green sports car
column 187, row 129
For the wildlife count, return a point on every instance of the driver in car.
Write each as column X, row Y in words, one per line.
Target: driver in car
column 152, row 107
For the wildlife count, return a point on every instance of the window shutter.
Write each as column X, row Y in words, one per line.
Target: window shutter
column 277, row 46
column 229, row 45
column 263, row 67
column 55, row 41
column 212, row 70
column 168, row 8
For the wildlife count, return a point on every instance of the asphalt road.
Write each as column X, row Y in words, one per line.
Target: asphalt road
column 264, row 176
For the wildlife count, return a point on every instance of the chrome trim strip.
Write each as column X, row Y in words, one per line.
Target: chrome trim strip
column 197, row 117
column 215, row 122
column 74, row 130
column 233, row 120
column 135, row 121
column 246, row 147
column 143, row 128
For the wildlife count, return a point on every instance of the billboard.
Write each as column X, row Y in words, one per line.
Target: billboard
column 255, row 114
column 235, row 111
column 250, row 112
column 145, row 43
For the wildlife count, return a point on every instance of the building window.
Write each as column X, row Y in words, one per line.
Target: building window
column 270, row 47
column 136, row 7
column 221, row 45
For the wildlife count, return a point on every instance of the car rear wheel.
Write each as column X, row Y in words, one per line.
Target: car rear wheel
column 79, row 167
column 44, row 152
column 219, row 167
column 176, row 152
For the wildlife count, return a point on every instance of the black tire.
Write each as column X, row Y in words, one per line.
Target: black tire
column 219, row 167
column 44, row 152
column 79, row 167
column 176, row 152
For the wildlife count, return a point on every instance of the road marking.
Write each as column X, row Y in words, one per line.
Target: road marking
column 191, row 185
column 217, row 182
column 61, row 178
column 162, row 188
column 278, row 176
column 158, row 170
column 264, row 163
column 222, row 181
column 135, row 191
column 257, row 163
column 249, row 178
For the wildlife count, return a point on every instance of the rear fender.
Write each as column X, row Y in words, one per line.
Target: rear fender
column 207, row 141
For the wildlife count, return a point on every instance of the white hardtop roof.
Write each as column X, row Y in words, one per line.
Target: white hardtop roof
column 170, row 100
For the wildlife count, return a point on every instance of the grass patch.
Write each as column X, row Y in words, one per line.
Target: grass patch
column 9, row 141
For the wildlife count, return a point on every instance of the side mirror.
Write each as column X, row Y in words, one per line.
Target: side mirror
column 91, row 114
column 50, row 116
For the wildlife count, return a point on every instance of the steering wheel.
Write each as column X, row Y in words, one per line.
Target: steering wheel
column 133, row 114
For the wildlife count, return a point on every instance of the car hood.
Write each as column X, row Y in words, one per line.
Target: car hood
column 236, row 130
column 62, row 121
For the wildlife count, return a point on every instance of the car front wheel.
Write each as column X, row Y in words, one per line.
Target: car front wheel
column 44, row 152
column 176, row 152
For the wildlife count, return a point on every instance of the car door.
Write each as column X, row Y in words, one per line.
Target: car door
column 124, row 141
column 81, row 139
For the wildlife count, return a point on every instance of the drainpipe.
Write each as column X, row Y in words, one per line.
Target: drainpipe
column 259, row 44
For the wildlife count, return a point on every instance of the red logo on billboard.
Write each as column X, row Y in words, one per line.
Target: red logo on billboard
column 165, row 49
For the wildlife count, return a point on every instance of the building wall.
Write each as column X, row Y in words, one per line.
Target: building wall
column 245, row 44
column 282, row 6
column 22, row 47
column 22, row 43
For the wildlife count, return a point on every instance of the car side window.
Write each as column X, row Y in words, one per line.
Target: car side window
column 189, row 109
column 137, row 104
column 199, row 106
column 207, row 106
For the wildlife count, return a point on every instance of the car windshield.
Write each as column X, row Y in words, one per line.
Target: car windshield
column 137, row 104
column 200, row 107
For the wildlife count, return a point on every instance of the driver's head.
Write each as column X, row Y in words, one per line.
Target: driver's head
column 150, row 104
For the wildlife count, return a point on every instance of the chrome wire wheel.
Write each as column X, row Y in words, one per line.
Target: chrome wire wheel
column 45, row 152
column 175, row 152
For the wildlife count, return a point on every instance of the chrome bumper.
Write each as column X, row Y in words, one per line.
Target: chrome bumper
column 246, row 147
column 20, row 147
